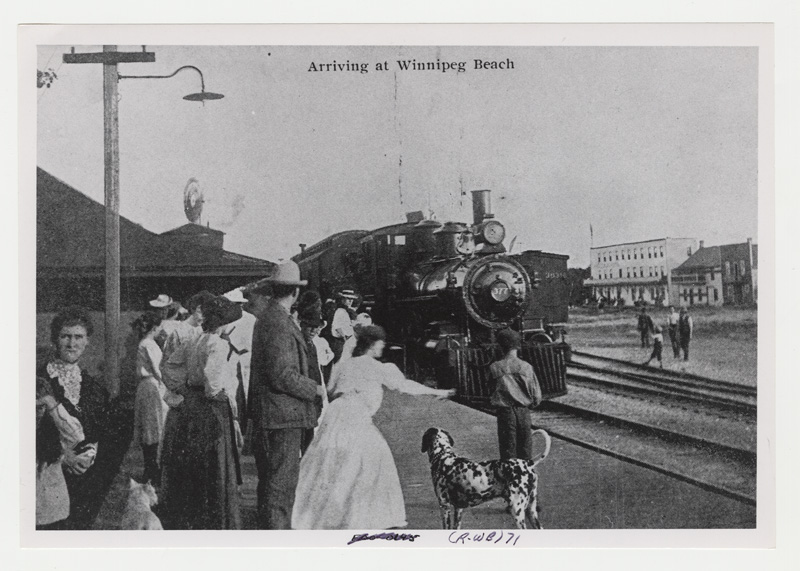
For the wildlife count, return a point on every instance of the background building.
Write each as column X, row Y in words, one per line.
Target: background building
column 70, row 255
column 637, row 272
column 718, row 275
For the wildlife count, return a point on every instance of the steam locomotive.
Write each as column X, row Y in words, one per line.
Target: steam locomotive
column 443, row 290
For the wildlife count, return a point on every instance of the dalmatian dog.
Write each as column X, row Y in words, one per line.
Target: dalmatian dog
column 460, row 483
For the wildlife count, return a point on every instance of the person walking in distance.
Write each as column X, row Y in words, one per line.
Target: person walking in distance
column 645, row 327
column 672, row 323
column 517, row 392
column 685, row 331
column 283, row 401
column 658, row 347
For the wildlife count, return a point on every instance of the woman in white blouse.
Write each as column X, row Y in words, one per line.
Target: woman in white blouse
column 150, row 410
column 209, row 438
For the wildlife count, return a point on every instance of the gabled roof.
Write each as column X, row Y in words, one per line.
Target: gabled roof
column 702, row 258
column 70, row 240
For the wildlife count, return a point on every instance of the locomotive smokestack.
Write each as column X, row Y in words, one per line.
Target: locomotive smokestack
column 481, row 206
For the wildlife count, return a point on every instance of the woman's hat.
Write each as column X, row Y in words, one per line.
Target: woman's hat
column 286, row 273
column 235, row 295
column 347, row 294
column 163, row 300
column 220, row 311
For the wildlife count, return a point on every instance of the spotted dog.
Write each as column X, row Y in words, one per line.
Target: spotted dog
column 461, row 483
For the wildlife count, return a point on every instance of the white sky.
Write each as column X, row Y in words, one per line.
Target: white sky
column 638, row 142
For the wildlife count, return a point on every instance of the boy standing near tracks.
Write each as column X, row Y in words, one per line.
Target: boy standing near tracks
column 658, row 347
column 516, row 393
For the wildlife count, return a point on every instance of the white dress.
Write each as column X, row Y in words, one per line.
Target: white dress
column 150, row 410
column 348, row 478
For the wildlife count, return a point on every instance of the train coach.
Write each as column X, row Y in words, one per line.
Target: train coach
column 443, row 289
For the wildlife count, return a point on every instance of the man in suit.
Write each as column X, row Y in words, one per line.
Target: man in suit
column 282, row 399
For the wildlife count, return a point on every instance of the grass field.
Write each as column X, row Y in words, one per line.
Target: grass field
column 724, row 342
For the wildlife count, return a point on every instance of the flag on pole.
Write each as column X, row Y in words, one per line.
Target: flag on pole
column 591, row 234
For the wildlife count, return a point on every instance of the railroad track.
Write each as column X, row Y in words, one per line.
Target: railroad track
column 723, row 469
column 630, row 377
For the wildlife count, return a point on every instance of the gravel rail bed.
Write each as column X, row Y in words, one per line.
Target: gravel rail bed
column 726, row 428
column 719, row 473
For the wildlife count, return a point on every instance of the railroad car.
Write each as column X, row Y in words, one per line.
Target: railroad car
column 443, row 289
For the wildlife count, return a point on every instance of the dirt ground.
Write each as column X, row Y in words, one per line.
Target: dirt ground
column 724, row 342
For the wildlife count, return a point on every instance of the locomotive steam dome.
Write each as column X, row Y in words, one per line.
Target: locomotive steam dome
column 496, row 291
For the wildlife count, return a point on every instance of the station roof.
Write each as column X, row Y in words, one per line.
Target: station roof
column 70, row 241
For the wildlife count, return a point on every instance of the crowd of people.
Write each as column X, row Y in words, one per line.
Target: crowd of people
column 678, row 325
column 262, row 369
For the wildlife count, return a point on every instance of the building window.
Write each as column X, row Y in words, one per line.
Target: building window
column 641, row 253
column 662, row 251
column 649, row 252
column 728, row 269
column 629, row 254
column 634, row 254
column 634, row 272
column 598, row 258
column 742, row 267
column 620, row 272
column 629, row 272
column 716, row 295
column 641, row 271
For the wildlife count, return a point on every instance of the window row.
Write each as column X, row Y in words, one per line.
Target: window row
column 736, row 269
column 652, row 252
column 632, row 272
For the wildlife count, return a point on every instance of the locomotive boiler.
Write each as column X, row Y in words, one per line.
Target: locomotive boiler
column 443, row 289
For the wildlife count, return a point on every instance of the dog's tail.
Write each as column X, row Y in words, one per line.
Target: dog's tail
column 546, row 451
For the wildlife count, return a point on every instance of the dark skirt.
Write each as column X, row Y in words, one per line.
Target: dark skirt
column 201, row 465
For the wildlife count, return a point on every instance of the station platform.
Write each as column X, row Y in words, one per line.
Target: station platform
column 578, row 488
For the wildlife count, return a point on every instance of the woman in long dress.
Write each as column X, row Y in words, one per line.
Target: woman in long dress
column 348, row 478
column 150, row 410
column 203, row 488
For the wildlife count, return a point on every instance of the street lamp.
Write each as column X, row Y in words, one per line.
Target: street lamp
column 110, row 58
column 203, row 96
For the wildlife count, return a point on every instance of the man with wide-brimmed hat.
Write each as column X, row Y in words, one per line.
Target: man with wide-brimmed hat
column 282, row 399
column 342, row 323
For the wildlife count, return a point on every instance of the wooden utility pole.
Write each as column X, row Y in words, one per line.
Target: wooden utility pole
column 110, row 57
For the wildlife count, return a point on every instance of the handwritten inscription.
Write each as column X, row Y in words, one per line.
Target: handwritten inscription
column 494, row 537
column 386, row 536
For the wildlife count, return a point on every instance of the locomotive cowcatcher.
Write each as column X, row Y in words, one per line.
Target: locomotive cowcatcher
column 443, row 290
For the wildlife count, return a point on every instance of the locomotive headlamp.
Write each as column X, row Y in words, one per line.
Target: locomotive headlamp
column 500, row 291
column 493, row 232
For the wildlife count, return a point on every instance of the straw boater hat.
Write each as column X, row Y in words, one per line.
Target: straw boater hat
column 286, row 273
column 348, row 294
column 163, row 300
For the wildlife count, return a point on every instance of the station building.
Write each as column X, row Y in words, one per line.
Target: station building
column 718, row 275
column 638, row 271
